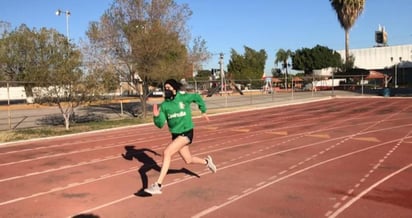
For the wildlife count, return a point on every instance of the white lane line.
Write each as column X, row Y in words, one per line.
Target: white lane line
column 328, row 213
column 292, row 167
column 243, row 162
column 210, row 210
column 134, row 168
column 205, row 212
column 57, row 169
column 55, row 155
column 382, row 160
column 283, row 172
column 111, row 146
column 133, row 196
column 336, row 205
column 67, row 143
column 109, row 158
column 71, row 185
column 273, row 177
column 207, row 171
column 260, row 184
column 232, row 197
column 247, row 190
column 353, row 200
column 112, row 202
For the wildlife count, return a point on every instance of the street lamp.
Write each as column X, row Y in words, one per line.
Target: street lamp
column 67, row 13
column 222, row 74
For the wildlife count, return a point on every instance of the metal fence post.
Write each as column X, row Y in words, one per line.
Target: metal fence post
column 8, row 105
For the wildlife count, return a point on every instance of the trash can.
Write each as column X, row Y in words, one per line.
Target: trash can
column 386, row 92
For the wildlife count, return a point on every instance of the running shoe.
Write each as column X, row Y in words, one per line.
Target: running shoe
column 210, row 164
column 154, row 189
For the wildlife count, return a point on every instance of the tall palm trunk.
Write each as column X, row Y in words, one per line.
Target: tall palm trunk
column 347, row 12
column 346, row 45
column 285, row 64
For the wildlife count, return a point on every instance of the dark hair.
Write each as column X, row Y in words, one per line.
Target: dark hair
column 175, row 84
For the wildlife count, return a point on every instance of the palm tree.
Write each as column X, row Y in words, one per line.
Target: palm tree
column 282, row 56
column 347, row 11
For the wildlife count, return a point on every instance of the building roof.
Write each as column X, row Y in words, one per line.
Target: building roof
column 375, row 75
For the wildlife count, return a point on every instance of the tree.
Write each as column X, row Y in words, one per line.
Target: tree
column 347, row 12
column 248, row 66
column 143, row 42
column 282, row 56
column 198, row 53
column 203, row 75
column 276, row 72
column 47, row 64
column 4, row 28
column 318, row 57
column 16, row 55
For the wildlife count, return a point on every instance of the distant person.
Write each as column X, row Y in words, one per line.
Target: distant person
column 176, row 111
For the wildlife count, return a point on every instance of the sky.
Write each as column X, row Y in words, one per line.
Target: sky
column 233, row 24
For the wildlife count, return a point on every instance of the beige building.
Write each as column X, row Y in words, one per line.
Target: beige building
column 395, row 61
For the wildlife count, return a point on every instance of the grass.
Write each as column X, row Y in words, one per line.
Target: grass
column 47, row 131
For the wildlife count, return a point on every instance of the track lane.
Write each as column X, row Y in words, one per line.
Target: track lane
column 223, row 141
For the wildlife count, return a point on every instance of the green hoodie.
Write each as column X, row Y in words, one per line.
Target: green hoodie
column 178, row 113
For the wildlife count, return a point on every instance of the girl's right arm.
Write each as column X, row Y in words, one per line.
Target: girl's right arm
column 159, row 117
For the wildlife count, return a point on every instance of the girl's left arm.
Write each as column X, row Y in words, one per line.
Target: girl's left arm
column 196, row 98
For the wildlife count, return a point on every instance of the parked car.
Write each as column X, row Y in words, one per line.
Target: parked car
column 156, row 93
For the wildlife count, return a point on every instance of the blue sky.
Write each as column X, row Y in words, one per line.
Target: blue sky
column 233, row 24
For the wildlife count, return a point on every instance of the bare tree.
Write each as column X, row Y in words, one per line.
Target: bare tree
column 198, row 53
column 141, row 41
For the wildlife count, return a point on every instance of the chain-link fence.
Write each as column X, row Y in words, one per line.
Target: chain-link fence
column 17, row 110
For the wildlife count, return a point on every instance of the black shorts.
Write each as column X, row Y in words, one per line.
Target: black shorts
column 188, row 134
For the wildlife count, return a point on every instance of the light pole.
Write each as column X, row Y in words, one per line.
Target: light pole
column 67, row 13
column 396, row 71
column 222, row 74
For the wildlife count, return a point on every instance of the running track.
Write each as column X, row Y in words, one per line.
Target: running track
column 333, row 158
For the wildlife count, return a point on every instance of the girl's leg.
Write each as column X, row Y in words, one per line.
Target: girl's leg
column 170, row 150
column 185, row 154
column 188, row 158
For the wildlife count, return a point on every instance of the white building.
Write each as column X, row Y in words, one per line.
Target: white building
column 394, row 61
column 379, row 58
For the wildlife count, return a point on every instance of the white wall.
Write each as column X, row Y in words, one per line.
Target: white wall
column 379, row 57
column 16, row 93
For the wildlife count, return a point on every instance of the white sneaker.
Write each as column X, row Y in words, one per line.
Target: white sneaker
column 155, row 189
column 210, row 164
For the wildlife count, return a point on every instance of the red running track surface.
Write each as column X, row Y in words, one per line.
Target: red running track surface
column 334, row 158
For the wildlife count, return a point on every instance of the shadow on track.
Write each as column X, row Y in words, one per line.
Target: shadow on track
column 149, row 164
